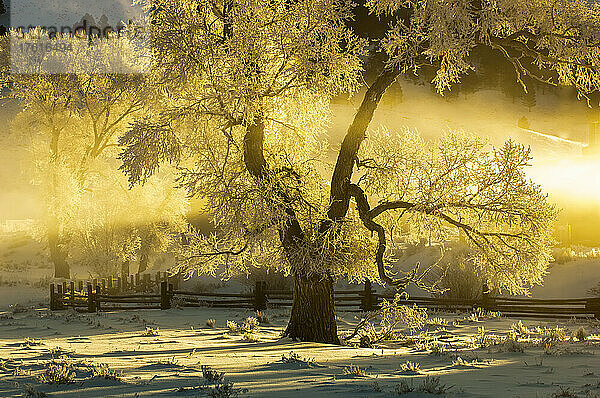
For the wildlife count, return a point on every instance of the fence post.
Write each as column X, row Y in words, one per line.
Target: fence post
column 131, row 284
column 367, row 299
column 110, row 283
column 59, row 296
column 165, row 299
column 52, row 297
column 146, row 281
column 73, row 294
column 90, row 298
column 80, row 285
column 260, row 295
column 97, row 299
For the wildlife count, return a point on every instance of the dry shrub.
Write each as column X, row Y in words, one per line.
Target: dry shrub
column 459, row 278
column 391, row 315
column 104, row 371
column 57, row 374
column 355, row 371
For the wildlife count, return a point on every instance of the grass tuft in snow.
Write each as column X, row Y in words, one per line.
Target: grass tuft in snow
column 403, row 387
column 225, row 389
column 232, row 326
column 212, row 376
column 296, row 359
column 437, row 322
column 219, row 387
column 168, row 362
column 355, row 371
column 28, row 342
column 433, row 385
column 251, row 337
column 57, row 374
column 430, row 385
column 410, row 367
column 250, row 325
column 104, row 371
column 150, row 332
column 376, row 387
column 564, row 393
column 512, row 345
column 18, row 308
column 263, row 318
column 30, row 391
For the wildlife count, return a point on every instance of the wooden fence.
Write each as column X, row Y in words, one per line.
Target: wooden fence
column 82, row 294
column 101, row 298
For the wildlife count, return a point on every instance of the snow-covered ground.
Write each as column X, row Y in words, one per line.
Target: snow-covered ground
column 469, row 353
column 169, row 364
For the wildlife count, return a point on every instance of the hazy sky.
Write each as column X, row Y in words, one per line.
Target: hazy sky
column 558, row 165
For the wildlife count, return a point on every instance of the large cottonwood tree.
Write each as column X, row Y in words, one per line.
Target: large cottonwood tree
column 246, row 91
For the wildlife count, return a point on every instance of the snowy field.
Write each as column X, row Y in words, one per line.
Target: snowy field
column 457, row 355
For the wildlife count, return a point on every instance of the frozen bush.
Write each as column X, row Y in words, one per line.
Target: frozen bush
column 57, row 374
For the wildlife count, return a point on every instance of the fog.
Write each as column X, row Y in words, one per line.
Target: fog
column 557, row 134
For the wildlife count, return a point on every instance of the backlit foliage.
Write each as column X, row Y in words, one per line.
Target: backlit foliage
column 244, row 102
column 462, row 182
column 552, row 41
column 269, row 63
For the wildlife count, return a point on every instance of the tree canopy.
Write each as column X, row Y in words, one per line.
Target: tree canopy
column 244, row 116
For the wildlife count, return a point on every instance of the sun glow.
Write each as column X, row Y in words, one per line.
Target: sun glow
column 575, row 179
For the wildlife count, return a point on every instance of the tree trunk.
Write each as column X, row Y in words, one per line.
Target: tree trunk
column 56, row 246
column 144, row 257
column 58, row 254
column 125, row 270
column 313, row 312
column 313, row 316
column 342, row 174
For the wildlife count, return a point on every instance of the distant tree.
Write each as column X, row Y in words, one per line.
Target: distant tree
column 113, row 225
column 511, row 88
column 245, row 98
column 529, row 98
column 72, row 123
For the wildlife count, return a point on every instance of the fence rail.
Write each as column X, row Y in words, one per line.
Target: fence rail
column 117, row 296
